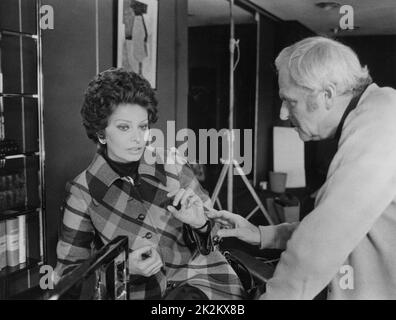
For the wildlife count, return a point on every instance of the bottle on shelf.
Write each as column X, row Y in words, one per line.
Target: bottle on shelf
column 12, row 235
column 12, row 190
column 3, row 245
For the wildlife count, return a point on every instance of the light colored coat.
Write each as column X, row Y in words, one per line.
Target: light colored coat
column 349, row 239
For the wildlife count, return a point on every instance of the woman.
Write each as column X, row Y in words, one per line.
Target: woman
column 122, row 193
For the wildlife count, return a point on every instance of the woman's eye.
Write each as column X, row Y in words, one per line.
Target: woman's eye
column 144, row 127
column 123, row 128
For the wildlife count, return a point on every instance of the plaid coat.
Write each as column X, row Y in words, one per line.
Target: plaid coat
column 100, row 202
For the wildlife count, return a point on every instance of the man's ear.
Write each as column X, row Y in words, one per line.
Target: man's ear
column 329, row 95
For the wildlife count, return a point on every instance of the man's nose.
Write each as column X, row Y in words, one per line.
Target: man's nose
column 284, row 112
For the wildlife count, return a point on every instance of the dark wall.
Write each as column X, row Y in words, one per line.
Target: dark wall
column 378, row 53
column 208, row 104
column 68, row 65
column 208, row 63
column 266, row 108
column 172, row 79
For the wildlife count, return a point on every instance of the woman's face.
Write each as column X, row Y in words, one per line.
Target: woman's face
column 127, row 132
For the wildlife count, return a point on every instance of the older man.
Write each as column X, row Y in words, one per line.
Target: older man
column 348, row 241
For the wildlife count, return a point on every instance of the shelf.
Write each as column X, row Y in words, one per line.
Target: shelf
column 21, row 121
column 8, row 271
column 17, row 34
column 19, row 95
column 19, row 155
column 12, row 213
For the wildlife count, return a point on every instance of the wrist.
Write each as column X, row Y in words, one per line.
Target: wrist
column 203, row 228
column 256, row 237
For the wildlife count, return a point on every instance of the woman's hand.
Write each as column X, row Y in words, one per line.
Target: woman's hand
column 191, row 211
column 145, row 261
column 235, row 225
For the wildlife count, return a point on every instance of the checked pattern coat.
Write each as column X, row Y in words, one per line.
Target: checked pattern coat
column 100, row 203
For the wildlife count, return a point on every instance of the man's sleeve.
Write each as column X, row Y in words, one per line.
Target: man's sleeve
column 353, row 197
column 77, row 233
column 276, row 237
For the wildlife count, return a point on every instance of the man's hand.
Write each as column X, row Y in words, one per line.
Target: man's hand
column 235, row 226
column 191, row 212
column 145, row 261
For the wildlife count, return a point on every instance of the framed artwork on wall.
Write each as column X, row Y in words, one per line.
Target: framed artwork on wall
column 137, row 37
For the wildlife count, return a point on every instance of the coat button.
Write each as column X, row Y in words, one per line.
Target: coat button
column 148, row 235
column 141, row 216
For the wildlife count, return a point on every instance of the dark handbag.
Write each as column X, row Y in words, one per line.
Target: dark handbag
column 252, row 272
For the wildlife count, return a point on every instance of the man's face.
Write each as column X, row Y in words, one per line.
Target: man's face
column 303, row 108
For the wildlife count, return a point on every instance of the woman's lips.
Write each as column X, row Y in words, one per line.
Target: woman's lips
column 135, row 149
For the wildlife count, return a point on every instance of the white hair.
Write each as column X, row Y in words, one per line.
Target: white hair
column 316, row 62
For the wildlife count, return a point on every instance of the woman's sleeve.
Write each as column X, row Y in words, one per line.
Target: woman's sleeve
column 77, row 233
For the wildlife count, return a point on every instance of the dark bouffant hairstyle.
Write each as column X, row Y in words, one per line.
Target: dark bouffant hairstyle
column 107, row 91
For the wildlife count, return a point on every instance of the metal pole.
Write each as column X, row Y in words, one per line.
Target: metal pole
column 231, row 115
column 40, row 101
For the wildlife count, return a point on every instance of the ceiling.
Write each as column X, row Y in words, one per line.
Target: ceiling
column 373, row 17
column 215, row 12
